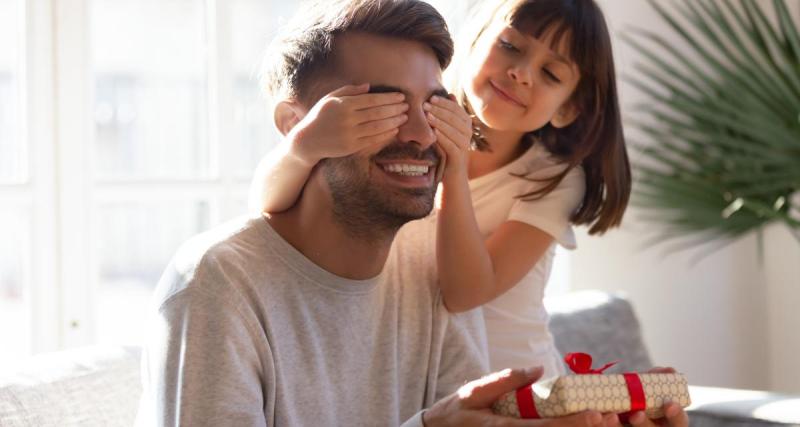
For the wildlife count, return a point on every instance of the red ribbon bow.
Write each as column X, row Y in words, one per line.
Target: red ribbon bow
column 581, row 364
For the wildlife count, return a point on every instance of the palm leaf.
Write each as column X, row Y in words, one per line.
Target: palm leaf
column 721, row 151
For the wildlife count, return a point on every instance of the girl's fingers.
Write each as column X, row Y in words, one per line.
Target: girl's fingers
column 370, row 100
column 458, row 138
column 380, row 113
column 350, row 90
column 458, row 120
column 453, row 107
column 451, row 119
column 375, row 139
column 377, row 127
column 449, row 147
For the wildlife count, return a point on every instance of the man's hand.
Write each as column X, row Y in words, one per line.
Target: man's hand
column 346, row 121
column 675, row 416
column 471, row 405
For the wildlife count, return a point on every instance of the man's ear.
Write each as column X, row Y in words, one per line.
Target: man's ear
column 565, row 115
column 287, row 114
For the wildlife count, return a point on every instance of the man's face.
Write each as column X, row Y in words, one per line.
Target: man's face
column 395, row 182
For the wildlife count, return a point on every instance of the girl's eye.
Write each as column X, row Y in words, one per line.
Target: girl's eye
column 508, row 46
column 554, row 78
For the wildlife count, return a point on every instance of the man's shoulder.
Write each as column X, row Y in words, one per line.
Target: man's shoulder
column 212, row 258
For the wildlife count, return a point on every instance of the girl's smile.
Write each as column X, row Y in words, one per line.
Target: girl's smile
column 506, row 94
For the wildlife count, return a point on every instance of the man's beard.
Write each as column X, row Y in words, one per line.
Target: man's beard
column 367, row 210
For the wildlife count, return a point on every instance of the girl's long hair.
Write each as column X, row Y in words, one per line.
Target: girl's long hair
column 595, row 139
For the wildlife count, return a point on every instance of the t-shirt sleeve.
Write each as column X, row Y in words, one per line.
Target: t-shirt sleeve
column 552, row 212
column 464, row 356
column 200, row 364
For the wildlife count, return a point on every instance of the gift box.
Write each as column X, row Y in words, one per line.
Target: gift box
column 590, row 389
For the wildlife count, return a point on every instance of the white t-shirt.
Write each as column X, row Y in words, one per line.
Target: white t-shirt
column 516, row 322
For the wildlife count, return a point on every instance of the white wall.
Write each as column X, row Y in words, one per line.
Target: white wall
column 726, row 320
column 782, row 282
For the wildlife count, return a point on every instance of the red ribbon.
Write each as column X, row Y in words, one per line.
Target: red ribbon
column 636, row 391
column 581, row 364
column 527, row 408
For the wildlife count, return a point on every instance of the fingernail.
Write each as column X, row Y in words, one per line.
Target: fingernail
column 637, row 418
column 595, row 419
column 431, row 117
column 426, row 106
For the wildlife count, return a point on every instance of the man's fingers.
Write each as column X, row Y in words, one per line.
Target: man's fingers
column 581, row 419
column 381, row 112
column 675, row 415
column 380, row 126
column 370, row 100
column 661, row 370
column 484, row 392
column 351, row 90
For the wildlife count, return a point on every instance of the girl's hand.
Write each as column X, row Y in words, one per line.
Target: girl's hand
column 453, row 127
column 346, row 121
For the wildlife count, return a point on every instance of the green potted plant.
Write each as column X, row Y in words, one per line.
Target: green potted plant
column 721, row 151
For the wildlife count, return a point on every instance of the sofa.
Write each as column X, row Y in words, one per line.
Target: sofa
column 100, row 386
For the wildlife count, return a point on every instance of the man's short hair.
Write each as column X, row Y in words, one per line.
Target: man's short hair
column 302, row 54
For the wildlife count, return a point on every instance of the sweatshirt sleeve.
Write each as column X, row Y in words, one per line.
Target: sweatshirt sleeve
column 415, row 421
column 200, row 365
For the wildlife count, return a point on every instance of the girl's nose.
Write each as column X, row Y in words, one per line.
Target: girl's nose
column 520, row 74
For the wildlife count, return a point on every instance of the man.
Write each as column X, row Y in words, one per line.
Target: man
column 292, row 319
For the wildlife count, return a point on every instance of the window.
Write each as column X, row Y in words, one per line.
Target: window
column 15, row 247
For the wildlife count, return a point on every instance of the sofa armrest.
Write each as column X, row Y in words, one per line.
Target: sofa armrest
column 91, row 386
column 713, row 406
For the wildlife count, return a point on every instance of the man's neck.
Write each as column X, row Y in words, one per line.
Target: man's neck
column 311, row 228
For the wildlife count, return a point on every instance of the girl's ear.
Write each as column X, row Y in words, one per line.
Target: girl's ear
column 565, row 116
column 287, row 114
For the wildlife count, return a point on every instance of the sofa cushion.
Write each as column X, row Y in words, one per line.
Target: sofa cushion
column 93, row 386
column 601, row 324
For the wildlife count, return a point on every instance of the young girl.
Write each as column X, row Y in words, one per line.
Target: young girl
column 540, row 112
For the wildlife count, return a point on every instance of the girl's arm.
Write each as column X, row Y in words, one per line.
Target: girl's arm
column 279, row 178
column 472, row 271
column 345, row 121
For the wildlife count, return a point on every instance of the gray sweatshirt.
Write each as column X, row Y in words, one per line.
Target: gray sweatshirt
column 246, row 331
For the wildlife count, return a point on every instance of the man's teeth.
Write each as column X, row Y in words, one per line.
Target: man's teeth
column 408, row 170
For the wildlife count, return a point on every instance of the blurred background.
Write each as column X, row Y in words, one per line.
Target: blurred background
column 127, row 126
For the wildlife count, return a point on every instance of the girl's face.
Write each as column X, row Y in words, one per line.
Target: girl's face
column 517, row 83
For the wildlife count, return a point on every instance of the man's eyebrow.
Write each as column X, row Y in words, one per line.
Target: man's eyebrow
column 387, row 89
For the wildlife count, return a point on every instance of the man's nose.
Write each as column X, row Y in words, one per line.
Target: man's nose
column 417, row 130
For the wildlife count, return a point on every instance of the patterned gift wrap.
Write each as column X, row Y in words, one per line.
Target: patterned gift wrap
column 606, row 393
column 592, row 390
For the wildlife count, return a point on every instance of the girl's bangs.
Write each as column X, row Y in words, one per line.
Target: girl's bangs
column 556, row 20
